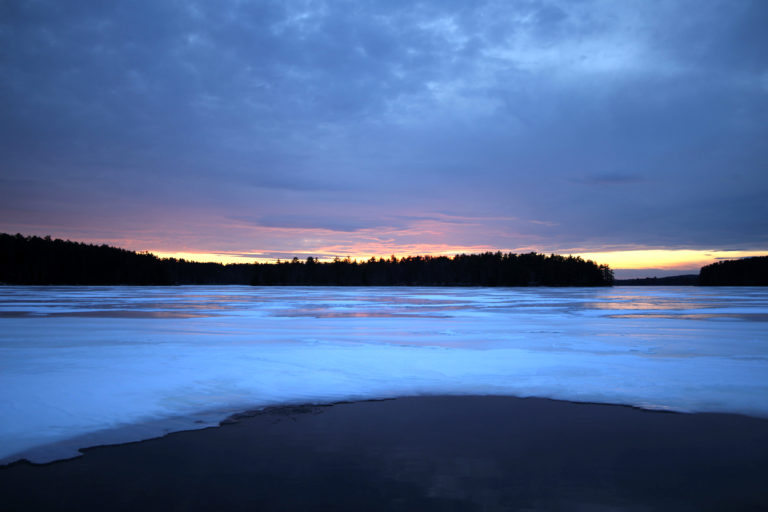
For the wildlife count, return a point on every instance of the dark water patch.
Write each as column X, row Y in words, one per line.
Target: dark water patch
column 429, row 453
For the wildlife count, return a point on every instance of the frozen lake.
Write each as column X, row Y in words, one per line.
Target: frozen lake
column 81, row 366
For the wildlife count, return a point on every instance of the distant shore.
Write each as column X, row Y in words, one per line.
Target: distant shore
column 423, row 453
column 32, row 260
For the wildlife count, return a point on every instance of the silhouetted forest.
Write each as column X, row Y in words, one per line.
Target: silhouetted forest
column 682, row 280
column 35, row 260
column 743, row 272
column 487, row 269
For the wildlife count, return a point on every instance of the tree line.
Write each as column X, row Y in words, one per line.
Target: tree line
column 34, row 260
column 744, row 272
column 40, row 261
column 681, row 280
column 486, row 269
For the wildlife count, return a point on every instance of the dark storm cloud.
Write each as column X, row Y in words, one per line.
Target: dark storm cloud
column 606, row 122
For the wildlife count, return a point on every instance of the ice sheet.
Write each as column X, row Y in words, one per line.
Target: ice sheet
column 81, row 366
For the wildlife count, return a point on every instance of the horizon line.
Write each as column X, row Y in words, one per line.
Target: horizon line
column 631, row 259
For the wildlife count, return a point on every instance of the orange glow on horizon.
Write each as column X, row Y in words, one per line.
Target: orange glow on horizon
column 325, row 253
column 210, row 257
column 667, row 259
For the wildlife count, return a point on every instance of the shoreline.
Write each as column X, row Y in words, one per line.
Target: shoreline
column 419, row 453
column 161, row 428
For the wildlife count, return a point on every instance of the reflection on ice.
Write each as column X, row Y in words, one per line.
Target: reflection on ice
column 106, row 313
column 750, row 317
column 87, row 365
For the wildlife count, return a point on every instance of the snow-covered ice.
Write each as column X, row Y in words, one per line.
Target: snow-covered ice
column 81, row 366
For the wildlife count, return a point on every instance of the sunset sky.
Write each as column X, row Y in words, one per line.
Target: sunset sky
column 632, row 132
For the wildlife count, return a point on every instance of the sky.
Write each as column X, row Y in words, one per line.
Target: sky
column 631, row 132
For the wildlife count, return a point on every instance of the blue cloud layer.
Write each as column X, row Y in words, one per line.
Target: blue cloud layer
column 609, row 122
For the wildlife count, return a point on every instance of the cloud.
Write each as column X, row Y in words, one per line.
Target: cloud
column 607, row 122
column 309, row 222
column 609, row 178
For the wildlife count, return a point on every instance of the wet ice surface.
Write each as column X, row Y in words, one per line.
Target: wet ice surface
column 81, row 366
